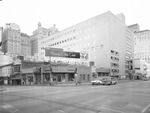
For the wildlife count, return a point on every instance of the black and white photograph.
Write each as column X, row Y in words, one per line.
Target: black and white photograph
column 74, row 56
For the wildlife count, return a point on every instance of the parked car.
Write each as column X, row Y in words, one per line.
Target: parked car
column 97, row 81
column 109, row 81
column 145, row 78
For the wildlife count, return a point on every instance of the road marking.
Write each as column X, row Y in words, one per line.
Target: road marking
column 7, row 106
column 61, row 111
column 146, row 108
column 10, row 108
column 102, row 107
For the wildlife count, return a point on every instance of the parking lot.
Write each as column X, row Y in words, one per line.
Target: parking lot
column 128, row 97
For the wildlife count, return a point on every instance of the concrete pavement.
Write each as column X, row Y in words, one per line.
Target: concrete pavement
column 133, row 97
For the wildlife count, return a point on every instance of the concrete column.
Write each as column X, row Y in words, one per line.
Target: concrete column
column 34, row 79
column 26, row 79
column 41, row 78
column 66, row 77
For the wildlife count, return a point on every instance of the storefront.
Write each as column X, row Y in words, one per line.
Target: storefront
column 59, row 73
column 16, row 79
column 66, row 73
column 29, row 74
column 103, row 72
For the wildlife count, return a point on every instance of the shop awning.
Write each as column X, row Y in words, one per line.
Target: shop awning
column 63, row 71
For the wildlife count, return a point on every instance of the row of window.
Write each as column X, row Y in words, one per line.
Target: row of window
column 128, row 46
column 61, row 35
column 63, row 41
column 128, row 39
column 115, row 71
column 128, row 53
column 142, row 53
column 115, row 65
column 114, row 58
column 142, row 38
column 114, row 52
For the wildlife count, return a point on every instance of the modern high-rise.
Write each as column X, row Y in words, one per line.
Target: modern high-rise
column 106, row 37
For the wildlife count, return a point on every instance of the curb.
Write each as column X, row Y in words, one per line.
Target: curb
column 2, row 90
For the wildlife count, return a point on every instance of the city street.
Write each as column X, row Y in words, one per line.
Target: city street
column 132, row 97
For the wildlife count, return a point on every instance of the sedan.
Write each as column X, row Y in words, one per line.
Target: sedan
column 96, row 82
column 109, row 81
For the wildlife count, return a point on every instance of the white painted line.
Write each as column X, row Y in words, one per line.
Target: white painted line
column 10, row 108
column 111, row 109
column 7, row 106
column 15, row 111
column 61, row 111
column 146, row 108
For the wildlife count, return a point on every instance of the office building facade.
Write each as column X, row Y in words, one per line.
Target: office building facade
column 25, row 45
column 14, row 42
column 142, row 45
column 11, row 39
column 106, row 38
column 39, row 34
column 134, row 28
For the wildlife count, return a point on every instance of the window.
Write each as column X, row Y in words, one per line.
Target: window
column 128, row 39
column 83, row 76
column 127, row 45
column 88, row 77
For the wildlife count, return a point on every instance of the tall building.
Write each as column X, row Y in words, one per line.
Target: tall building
column 142, row 45
column 11, row 39
column 1, row 32
column 106, row 37
column 134, row 28
column 25, row 45
column 37, row 36
column 14, row 42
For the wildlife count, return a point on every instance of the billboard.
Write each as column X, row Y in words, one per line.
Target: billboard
column 54, row 52
column 57, row 52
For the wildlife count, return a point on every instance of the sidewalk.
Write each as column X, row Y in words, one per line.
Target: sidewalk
column 2, row 90
column 89, row 83
column 67, row 84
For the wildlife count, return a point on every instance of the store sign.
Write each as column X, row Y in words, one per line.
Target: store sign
column 84, row 56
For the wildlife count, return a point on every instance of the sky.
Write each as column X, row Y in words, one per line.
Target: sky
column 66, row 13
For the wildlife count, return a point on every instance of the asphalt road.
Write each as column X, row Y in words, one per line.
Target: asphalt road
column 131, row 97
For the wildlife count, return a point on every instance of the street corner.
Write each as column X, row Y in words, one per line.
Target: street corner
column 146, row 109
column 1, row 90
column 8, row 109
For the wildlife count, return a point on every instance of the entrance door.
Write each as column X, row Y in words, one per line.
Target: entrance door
column 59, row 78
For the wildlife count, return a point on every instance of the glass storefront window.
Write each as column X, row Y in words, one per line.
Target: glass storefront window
column 71, row 77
